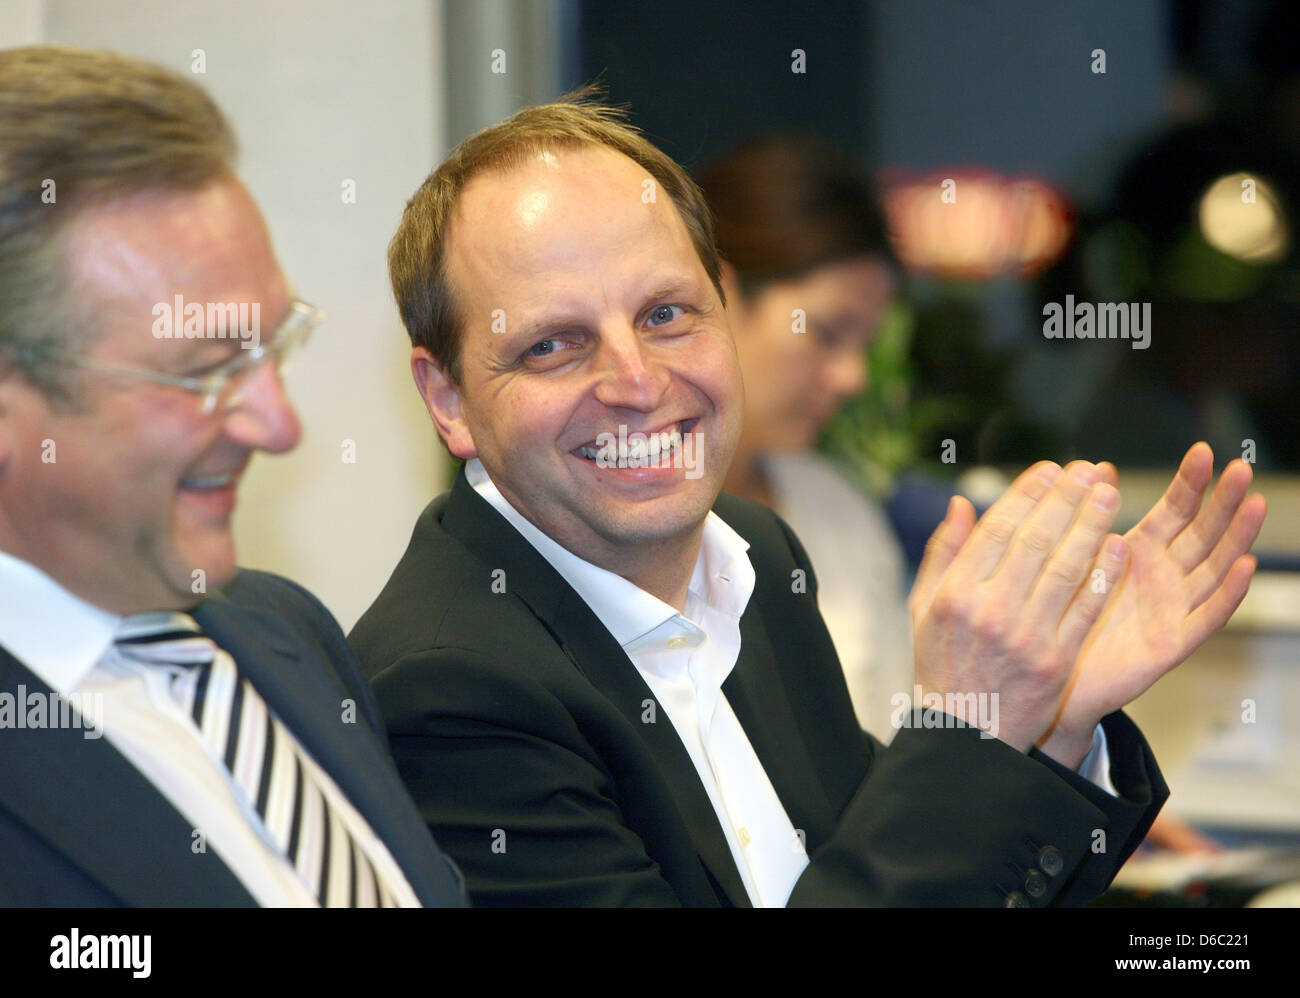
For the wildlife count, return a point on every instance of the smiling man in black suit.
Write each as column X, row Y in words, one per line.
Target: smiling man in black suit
column 174, row 731
column 607, row 684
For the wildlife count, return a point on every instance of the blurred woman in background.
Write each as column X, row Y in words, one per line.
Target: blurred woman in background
column 809, row 270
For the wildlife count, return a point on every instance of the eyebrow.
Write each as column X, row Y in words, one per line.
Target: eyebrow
column 673, row 287
column 666, row 289
column 203, row 353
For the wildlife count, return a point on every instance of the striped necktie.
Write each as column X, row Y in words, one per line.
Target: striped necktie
column 272, row 774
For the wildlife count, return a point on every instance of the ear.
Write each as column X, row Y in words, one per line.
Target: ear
column 11, row 384
column 442, row 399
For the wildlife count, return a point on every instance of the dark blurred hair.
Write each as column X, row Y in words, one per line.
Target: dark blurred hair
column 784, row 204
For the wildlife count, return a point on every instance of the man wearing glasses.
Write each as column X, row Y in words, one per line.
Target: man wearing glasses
column 174, row 731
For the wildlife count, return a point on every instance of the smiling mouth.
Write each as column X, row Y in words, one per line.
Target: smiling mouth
column 633, row 448
column 209, row 483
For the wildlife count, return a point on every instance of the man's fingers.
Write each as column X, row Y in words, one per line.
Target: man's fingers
column 1069, row 567
column 1091, row 598
column 1176, row 508
column 1199, row 538
column 1042, row 533
column 1236, row 541
column 992, row 535
column 1223, row 602
column 940, row 550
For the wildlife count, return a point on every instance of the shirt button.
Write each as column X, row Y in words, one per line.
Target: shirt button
column 744, row 836
column 1051, row 860
column 677, row 642
column 1035, row 884
column 1016, row 900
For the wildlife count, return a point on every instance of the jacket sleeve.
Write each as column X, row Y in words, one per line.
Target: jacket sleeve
column 944, row 816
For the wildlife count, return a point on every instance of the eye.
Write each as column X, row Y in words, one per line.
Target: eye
column 829, row 336
column 661, row 315
column 541, row 349
column 551, row 352
column 227, row 366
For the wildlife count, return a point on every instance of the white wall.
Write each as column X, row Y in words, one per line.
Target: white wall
column 21, row 22
column 318, row 92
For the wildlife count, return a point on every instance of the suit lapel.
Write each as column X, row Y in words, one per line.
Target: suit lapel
column 96, row 809
column 757, row 695
column 593, row 650
column 600, row 658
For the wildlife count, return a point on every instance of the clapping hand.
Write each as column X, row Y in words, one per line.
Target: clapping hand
column 1065, row 621
column 1188, row 570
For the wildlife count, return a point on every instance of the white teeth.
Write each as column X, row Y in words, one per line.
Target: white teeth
column 635, row 449
column 210, row 482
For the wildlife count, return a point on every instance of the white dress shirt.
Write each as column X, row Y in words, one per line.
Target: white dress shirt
column 685, row 658
column 68, row 644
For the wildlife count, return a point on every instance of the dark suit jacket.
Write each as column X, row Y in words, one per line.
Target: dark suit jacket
column 525, row 736
column 80, row 826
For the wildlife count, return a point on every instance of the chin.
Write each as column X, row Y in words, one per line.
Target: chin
column 216, row 561
column 662, row 520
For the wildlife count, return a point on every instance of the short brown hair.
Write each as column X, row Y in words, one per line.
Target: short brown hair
column 77, row 127
column 417, row 254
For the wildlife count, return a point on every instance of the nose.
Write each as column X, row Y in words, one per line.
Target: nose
column 846, row 374
column 264, row 418
column 630, row 376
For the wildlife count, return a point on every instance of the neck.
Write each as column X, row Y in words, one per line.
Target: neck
column 663, row 569
column 73, row 567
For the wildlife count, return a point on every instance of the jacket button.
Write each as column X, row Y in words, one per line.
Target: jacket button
column 1051, row 860
column 1016, row 900
column 1035, row 884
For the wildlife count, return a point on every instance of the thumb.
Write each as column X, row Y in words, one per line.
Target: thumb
column 940, row 551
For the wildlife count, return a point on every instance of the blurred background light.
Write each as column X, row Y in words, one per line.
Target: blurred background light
column 1242, row 216
column 976, row 225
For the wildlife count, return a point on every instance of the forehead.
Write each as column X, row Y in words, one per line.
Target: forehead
column 565, row 215
column 208, row 245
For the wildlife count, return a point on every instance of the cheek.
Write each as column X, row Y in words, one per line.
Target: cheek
column 717, row 369
column 528, row 418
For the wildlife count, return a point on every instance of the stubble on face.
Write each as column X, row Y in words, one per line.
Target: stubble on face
column 576, row 265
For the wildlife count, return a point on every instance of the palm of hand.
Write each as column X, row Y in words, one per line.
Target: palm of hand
column 1142, row 633
column 1187, row 572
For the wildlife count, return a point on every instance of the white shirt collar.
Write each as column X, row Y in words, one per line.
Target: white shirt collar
column 723, row 575
column 57, row 635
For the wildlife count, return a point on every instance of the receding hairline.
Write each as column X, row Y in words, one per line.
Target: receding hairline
column 519, row 160
column 418, row 251
column 533, row 158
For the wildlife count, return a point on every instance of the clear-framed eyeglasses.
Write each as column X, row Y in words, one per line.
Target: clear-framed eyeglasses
column 220, row 388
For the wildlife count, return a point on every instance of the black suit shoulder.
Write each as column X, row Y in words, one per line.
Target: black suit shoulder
column 323, row 638
column 530, row 742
